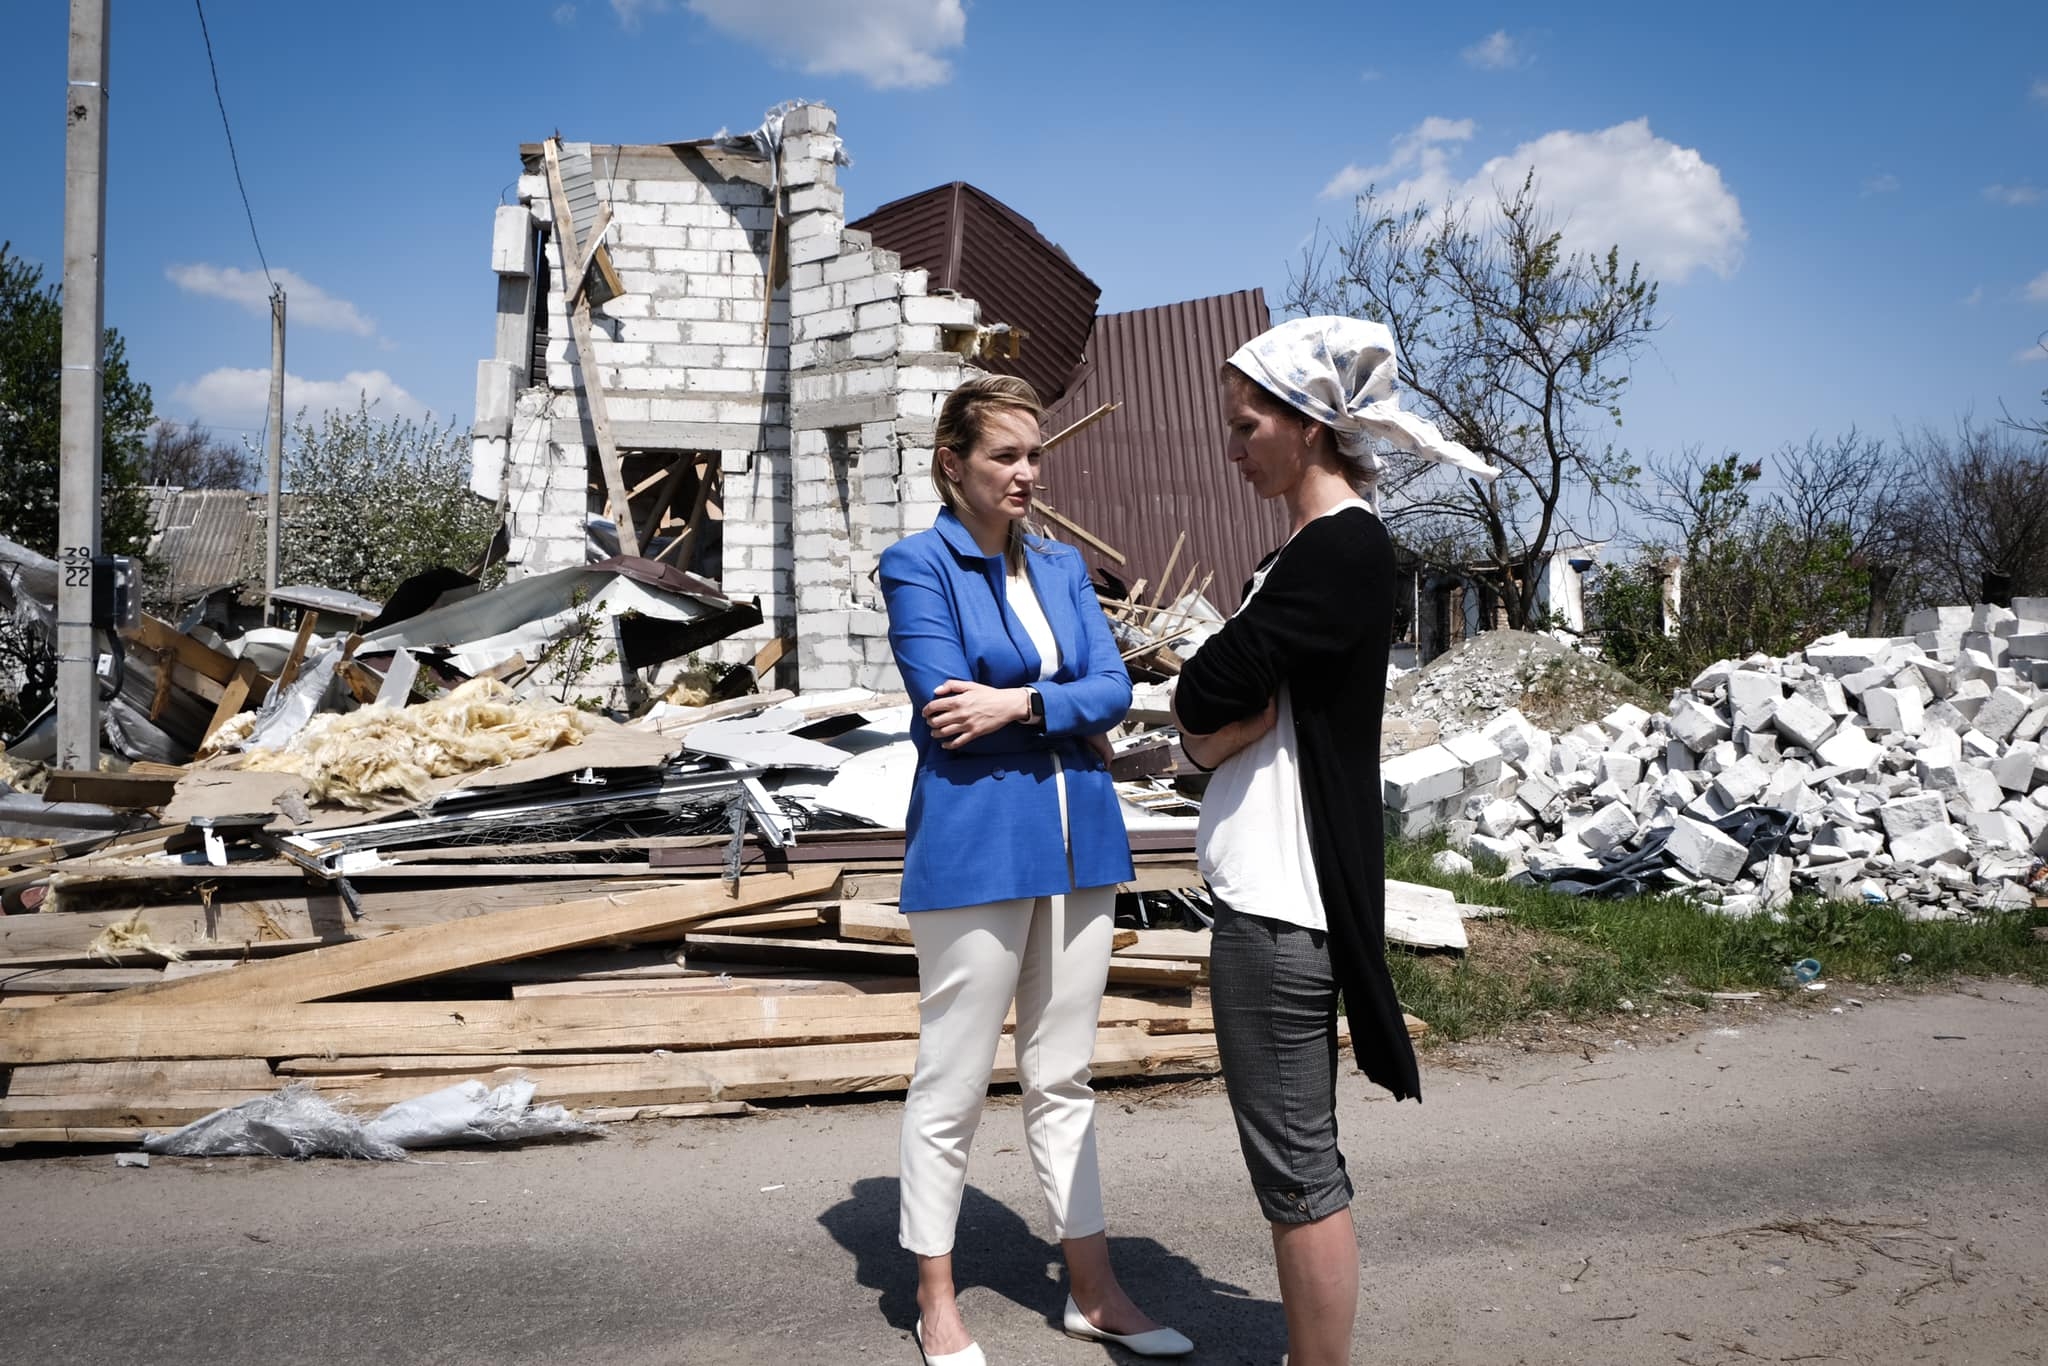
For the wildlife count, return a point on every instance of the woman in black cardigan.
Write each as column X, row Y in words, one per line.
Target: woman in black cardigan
column 1284, row 703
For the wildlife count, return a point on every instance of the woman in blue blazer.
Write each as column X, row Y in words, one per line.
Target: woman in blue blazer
column 1016, row 844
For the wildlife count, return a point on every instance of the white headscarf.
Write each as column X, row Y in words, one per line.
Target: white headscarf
column 1341, row 372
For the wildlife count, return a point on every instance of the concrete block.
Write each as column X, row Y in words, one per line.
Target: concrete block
column 1905, row 815
column 1621, row 768
column 1749, row 690
column 1410, row 781
column 1538, row 792
column 941, row 310
column 2022, row 768
column 1857, row 684
column 1976, row 789
column 512, row 240
column 1987, row 617
column 1511, row 732
column 1742, row 782
column 1625, row 719
column 1847, row 841
column 2031, row 645
column 1788, row 786
column 1704, row 851
column 1841, row 657
column 1993, row 649
column 494, row 397
column 1932, row 844
column 1602, row 829
column 1696, row 725
column 1849, row 749
column 1944, row 620
column 1500, row 818
column 1999, row 830
column 1481, row 757
column 1895, row 710
column 1420, row 821
column 2001, row 713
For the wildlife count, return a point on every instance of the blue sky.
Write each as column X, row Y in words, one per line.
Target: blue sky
column 1847, row 206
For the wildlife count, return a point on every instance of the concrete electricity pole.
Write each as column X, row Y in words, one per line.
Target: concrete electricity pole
column 78, row 505
column 274, row 449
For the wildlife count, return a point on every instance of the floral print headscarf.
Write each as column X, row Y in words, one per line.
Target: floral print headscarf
column 1341, row 372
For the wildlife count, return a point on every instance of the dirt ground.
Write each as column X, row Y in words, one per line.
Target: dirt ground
column 1765, row 1186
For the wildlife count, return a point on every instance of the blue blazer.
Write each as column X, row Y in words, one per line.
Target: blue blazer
column 984, row 821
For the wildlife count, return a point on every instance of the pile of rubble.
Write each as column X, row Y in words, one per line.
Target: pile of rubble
column 1481, row 678
column 1909, row 770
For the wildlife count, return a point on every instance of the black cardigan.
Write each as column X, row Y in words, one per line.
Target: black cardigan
column 1322, row 623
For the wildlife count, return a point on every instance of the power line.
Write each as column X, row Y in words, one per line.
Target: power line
column 233, row 160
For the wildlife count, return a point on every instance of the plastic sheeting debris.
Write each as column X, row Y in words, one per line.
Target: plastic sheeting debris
column 299, row 1122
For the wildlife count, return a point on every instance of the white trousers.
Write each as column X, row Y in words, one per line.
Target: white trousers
column 1051, row 955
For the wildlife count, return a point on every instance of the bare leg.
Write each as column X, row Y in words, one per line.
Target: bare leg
column 1096, row 1291
column 944, row 1331
column 1318, row 1265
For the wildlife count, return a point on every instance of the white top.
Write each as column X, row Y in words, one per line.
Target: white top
column 1024, row 602
column 1252, row 844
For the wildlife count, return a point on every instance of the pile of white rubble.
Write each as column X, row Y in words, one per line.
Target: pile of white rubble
column 1914, row 766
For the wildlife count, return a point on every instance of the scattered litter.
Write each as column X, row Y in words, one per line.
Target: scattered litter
column 766, row 1189
column 131, row 1159
column 298, row 1122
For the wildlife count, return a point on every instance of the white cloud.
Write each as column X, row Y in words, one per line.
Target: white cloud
column 2037, row 288
column 2015, row 196
column 565, row 15
column 890, row 44
column 2027, row 355
column 306, row 304
column 229, row 397
column 2039, row 90
column 630, row 11
column 1974, row 297
column 1666, row 206
column 1422, row 150
column 1886, row 183
column 1371, row 73
column 1495, row 52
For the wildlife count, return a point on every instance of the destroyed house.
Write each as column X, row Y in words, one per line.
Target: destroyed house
column 763, row 380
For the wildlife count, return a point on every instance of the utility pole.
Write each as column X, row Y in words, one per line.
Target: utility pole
column 78, row 497
column 274, row 448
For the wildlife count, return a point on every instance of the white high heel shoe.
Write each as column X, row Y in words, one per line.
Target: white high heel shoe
column 970, row 1355
column 1157, row 1342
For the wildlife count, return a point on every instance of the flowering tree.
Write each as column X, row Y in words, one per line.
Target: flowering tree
column 370, row 501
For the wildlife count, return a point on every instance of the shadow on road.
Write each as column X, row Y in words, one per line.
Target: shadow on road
column 997, row 1249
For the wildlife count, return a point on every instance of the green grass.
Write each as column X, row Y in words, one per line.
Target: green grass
column 1575, row 957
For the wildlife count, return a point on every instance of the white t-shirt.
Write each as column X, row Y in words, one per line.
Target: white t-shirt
column 1252, row 844
column 1024, row 602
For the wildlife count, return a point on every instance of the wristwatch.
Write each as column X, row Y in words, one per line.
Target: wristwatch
column 1036, row 715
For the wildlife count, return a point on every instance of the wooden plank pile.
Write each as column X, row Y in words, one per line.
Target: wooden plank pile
column 617, row 1003
column 579, row 928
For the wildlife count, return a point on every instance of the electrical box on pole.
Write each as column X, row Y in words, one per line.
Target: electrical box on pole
column 78, row 488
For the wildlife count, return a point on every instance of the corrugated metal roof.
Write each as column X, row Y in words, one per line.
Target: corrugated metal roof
column 1155, row 467
column 975, row 244
column 207, row 539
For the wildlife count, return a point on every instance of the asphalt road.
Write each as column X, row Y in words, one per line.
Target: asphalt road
column 1864, row 1187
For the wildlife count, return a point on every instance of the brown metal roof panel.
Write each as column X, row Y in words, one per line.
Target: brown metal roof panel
column 971, row 242
column 1156, row 466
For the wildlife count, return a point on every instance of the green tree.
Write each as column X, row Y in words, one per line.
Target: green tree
column 370, row 501
column 1513, row 347
column 1752, row 576
column 31, row 371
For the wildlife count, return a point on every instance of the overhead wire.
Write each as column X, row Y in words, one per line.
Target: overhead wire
column 233, row 160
